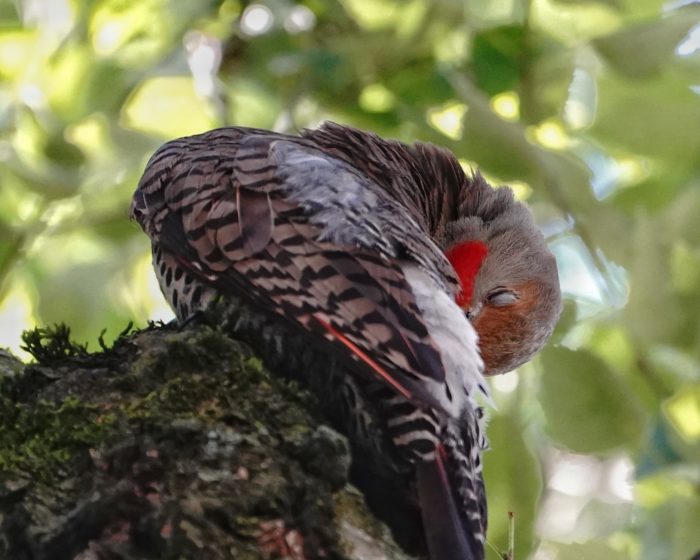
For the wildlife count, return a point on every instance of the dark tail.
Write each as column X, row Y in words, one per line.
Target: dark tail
column 448, row 533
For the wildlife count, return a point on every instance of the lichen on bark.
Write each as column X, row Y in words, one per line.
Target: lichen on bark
column 173, row 443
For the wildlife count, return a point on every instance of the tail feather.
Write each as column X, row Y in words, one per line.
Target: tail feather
column 447, row 532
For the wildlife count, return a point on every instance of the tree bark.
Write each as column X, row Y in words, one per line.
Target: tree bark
column 172, row 443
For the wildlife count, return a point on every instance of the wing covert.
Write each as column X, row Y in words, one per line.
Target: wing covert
column 309, row 238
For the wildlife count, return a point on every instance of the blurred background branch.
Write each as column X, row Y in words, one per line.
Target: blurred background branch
column 588, row 109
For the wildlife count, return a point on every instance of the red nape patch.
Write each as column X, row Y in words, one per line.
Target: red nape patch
column 466, row 259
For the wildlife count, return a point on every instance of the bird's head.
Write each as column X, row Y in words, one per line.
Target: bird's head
column 510, row 285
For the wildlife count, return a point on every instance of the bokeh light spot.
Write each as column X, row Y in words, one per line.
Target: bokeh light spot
column 256, row 20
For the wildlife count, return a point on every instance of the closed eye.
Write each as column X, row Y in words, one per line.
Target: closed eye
column 501, row 297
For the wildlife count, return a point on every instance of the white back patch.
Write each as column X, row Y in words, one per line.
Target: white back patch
column 456, row 339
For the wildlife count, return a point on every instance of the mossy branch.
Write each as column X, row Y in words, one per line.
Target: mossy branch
column 170, row 444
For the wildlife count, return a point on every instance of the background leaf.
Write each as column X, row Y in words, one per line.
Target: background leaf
column 586, row 406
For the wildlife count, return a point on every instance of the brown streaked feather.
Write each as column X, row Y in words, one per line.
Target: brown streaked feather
column 426, row 179
column 224, row 197
column 255, row 219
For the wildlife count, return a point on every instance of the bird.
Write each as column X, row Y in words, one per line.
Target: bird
column 412, row 278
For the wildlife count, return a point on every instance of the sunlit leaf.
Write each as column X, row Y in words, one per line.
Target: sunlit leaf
column 448, row 119
column 612, row 3
column 168, row 107
column 587, row 407
column 685, row 267
column 86, row 306
column 573, row 22
column 628, row 50
column 373, row 14
column 671, row 530
column 653, row 313
column 683, row 410
column 17, row 48
column 376, row 98
column 654, row 123
column 138, row 33
column 251, row 105
column 641, row 9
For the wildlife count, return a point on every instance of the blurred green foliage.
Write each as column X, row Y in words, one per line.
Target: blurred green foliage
column 590, row 109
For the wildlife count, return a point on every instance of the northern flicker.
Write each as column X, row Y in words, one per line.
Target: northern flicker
column 413, row 277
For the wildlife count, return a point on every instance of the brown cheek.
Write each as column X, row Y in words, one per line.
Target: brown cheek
column 503, row 333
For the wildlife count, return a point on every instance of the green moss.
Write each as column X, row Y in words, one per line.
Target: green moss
column 200, row 347
column 178, row 397
column 350, row 506
column 38, row 438
column 51, row 344
column 254, row 364
column 361, row 533
column 202, row 374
